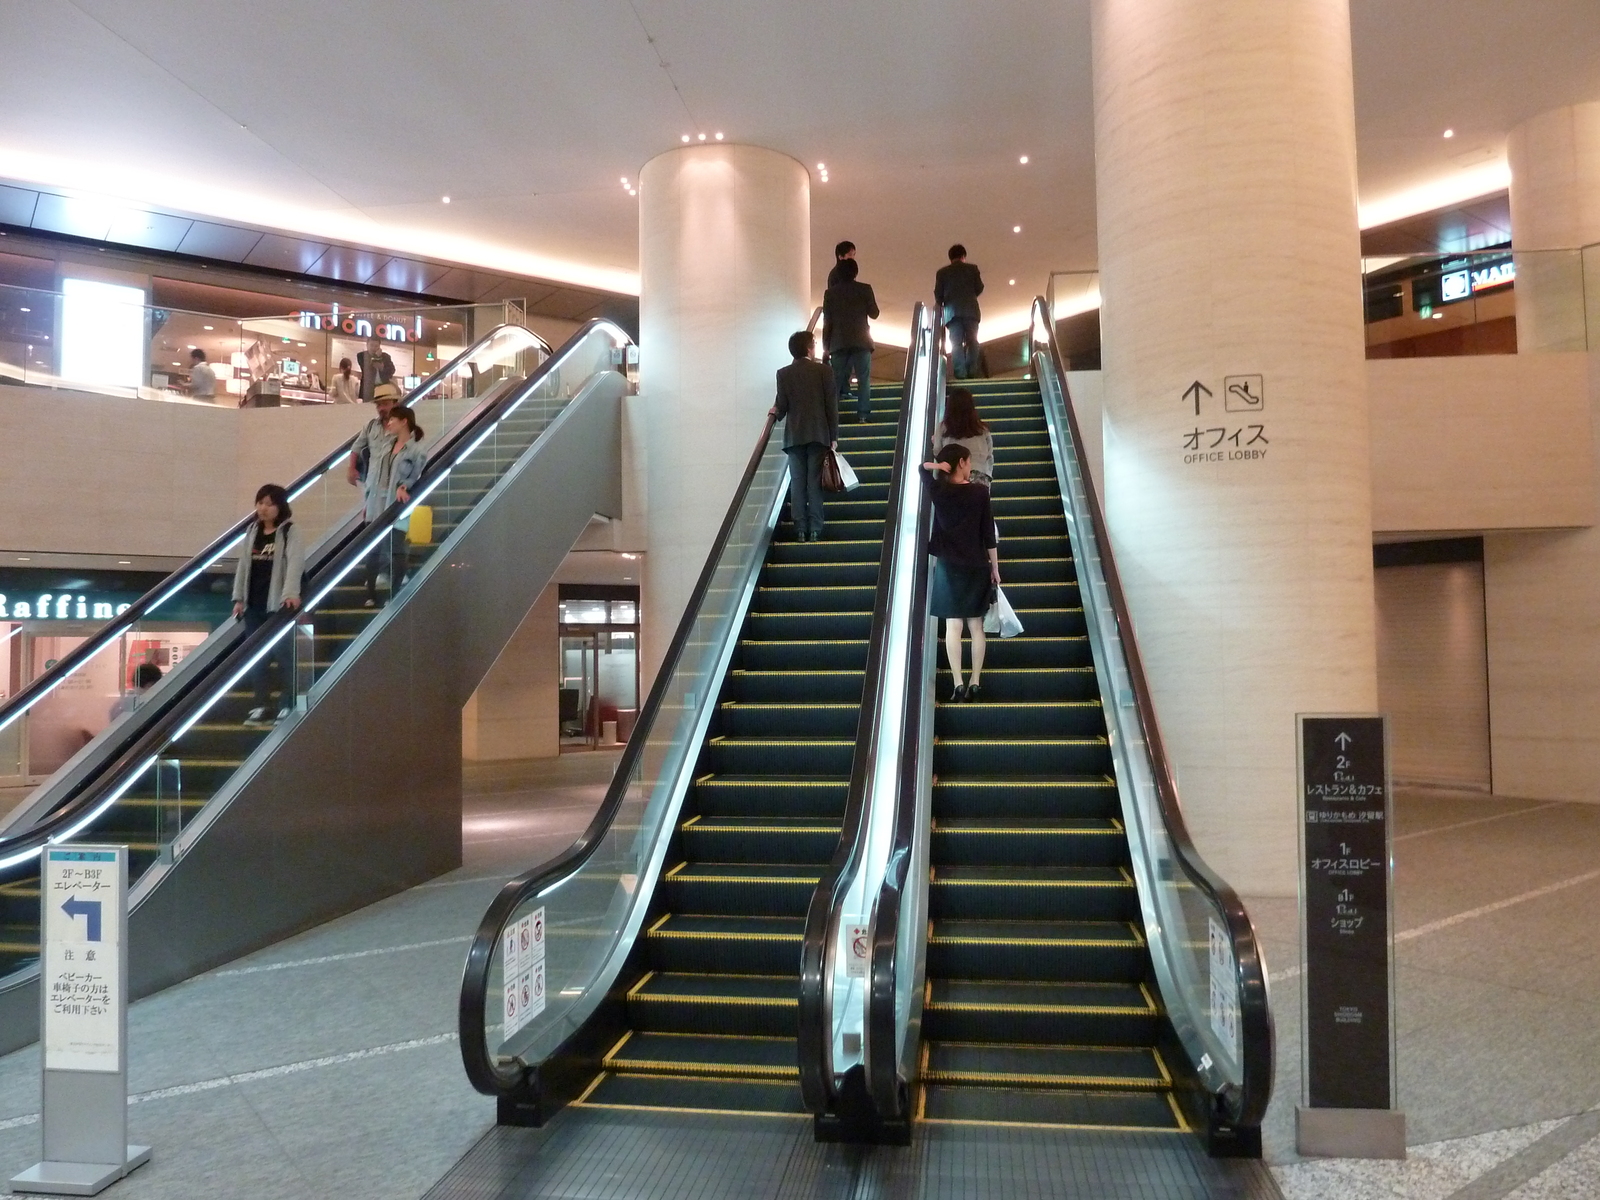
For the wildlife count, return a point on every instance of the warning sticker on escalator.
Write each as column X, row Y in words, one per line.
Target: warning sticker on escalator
column 522, row 968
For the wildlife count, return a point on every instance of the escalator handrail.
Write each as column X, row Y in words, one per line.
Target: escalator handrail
column 481, row 1069
column 42, row 685
column 815, row 1033
column 134, row 754
column 883, row 1068
column 1255, row 1020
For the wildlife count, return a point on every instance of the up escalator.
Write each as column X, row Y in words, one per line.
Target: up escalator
column 1036, row 1009
column 161, row 777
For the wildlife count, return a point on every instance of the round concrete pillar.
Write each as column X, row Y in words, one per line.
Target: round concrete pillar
column 1236, row 449
column 725, row 278
column 1555, row 210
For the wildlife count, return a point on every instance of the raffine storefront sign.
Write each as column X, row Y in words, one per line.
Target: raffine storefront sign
column 61, row 606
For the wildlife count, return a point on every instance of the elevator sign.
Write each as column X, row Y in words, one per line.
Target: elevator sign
column 83, row 988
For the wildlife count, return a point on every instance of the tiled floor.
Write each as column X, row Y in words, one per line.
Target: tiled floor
column 1497, row 912
column 326, row 1066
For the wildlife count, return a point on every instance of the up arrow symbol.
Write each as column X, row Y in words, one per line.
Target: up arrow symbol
column 1344, row 740
column 1193, row 392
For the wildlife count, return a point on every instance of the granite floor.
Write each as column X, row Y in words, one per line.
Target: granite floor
column 1497, row 1006
column 326, row 1066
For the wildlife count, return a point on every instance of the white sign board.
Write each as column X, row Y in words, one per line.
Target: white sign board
column 522, row 960
column 82, row 984
column 1224, row 989
column 855, row 967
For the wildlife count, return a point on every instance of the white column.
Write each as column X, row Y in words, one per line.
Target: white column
column 1229, row 254
column 1555, row 210
column 725, row 278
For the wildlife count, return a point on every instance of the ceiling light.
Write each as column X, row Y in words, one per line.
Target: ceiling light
column 702, row 137
column 719, row 137
column 624, row 181
column 1023, row 160
column 822, row 166
column 1016, row 229
column 177, row 364
column 1449, row 133
column 124, row 562
column 192, row 346
column 686, row 137
column 26, row 310
column 209, row 328
column 302, row 345
column 445, row 199
column 23, row 558
column 1013, row 283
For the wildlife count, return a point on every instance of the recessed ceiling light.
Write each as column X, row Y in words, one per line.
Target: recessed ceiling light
column 210, row 327
column 822, row 167
column 719, row 137
column 686, row 137
column 192, row 346
column 624, row 181
column 23, row 558
column 27, row 310
column 124, row 562
column 177, row 364
column 444, row 199
column 1449, row 133
column 1013, row 283
column 1023, row 160
column 1016, row 229
column 702, row 137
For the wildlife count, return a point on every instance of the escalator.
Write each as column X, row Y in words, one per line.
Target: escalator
column 711, row 1018
column 318, row 812
column 1036, row 1009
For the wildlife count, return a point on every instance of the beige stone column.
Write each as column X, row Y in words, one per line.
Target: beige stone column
column 1555, row 210
column 725, row 278
column 1229, row 259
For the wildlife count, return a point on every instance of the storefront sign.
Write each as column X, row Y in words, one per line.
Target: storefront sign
column 1345, row 819
column 366, row 327
column 64, row 606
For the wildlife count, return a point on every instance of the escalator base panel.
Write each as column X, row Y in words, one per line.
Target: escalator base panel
column 691, row 1093
column 1131, row 1112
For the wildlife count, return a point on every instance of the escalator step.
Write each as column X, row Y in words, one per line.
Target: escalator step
column 733, row 795
column 832, row 654
column 1016, row 797
column 704, row 1053
column 1032, row 756
column 992, row 717
column 797, row 718
column 1132, row 1112
column 758, row 840
column 781, row 756
column 738, row 889
column 1060, row 951
column 777, row 687
column 1132, row 1067
column 710, row 944
column 750, row 1005
column 1034, row 650
column 1086, row 841
column 754, row 1097
column 988, row 892
column 813, row 598
column 1071, row 1013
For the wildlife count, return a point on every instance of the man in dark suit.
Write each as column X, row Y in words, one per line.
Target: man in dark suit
column 841, row 252
column 956, row 289
column 808, row 406
column 846, row 308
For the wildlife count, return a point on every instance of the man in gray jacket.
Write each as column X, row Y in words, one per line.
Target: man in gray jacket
column 808, row 405
column 847, row 307
column 956, row 289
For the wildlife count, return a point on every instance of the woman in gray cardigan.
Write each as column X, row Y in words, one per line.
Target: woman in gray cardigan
column 271, row 561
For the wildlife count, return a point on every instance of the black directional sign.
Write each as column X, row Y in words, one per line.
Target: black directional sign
column 1345, row 812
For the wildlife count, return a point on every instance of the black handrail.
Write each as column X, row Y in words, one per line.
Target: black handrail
column 1250, row 1105
column 26, row 697
column 481, row 1069
column 822, row 916
column 350, row 549
column 879, row 1048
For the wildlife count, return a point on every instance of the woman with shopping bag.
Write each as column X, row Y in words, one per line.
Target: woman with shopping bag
column 966, row 569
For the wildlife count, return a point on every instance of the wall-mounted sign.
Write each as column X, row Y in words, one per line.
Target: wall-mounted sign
column 368, row 326
column 66, row 606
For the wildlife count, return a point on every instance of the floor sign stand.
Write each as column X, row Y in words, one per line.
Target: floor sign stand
column 83, row 991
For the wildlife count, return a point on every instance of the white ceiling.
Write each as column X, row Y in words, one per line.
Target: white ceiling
column 352, row 119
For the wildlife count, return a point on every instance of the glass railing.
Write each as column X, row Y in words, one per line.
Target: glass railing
column 184, row 746
column 42, row 713
column 1206, row 957
column 105, row 338
column 556, row 938
column 833, row 985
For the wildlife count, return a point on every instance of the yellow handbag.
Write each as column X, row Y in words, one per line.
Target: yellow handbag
column 420, row 530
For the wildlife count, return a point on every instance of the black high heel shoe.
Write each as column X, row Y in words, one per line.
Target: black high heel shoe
column 971, row 693
column 959, row 694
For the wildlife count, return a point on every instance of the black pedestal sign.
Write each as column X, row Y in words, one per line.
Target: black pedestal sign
column 1349, row 1012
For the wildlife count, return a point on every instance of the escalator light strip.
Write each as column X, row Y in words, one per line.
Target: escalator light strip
column 89, row 819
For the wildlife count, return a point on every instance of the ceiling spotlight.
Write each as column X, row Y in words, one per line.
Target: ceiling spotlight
column 209, row 328
column 624, row 181
column 686, row 137
column 822, row 166
column 445, row 199
column 1023, row 160
column 1013, row 283
column 702, row 137
column 30, row 310
column 124, row 562
column 1449, row 133
column 1016, row 229
column 719, row 137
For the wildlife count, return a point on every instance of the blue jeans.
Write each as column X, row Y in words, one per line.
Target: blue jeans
column 964, row 344
column 805, row 488
column 859, row 362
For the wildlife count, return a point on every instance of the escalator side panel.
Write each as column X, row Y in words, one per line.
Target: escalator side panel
column 360, row 796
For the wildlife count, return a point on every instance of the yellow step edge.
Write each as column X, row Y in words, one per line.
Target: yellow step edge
column 1104, row 781
column 584, row 1102
column 834, row 829
column 1022, row 828
column 1132, row 938
column 1080, row 741
column 934, row 878
column 1128, row 1083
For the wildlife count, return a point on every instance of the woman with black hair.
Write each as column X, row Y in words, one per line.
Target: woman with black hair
column 268, row 578
column 963, row 426
column 391, row 477
column 966, row 568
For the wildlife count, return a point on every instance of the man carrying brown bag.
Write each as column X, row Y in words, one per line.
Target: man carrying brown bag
column 808, row 405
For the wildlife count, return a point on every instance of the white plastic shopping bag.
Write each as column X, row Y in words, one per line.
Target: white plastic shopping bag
column 1001, row 617
column 847, row 473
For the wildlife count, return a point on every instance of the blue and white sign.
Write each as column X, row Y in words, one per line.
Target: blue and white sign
column 83, row 985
